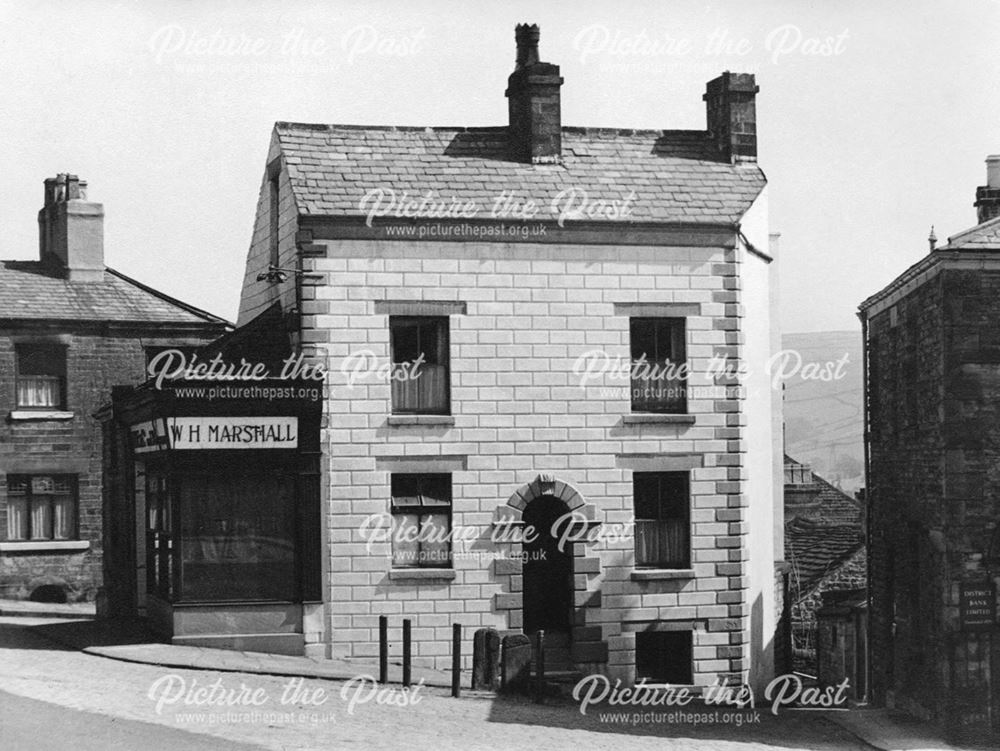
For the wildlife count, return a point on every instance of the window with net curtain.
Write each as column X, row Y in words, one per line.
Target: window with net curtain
column 662, row 520
column 41, row 376
column 41, row 507
column 421, row 520
column 420, row 379
column 658, row 352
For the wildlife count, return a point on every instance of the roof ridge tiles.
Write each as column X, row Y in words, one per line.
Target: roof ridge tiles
column 572, row 129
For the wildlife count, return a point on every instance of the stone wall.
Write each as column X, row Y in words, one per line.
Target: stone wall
column 529, row 312
column 934, row 391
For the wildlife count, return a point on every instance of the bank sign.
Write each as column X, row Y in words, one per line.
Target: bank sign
column 977, row 606
column 193, row 433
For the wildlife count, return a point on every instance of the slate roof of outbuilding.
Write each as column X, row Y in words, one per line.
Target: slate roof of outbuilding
column 32, row 290
column 815, row 550
column 827, row 534
column 676, row 175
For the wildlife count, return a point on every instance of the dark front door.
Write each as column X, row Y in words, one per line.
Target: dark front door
column 548, row 571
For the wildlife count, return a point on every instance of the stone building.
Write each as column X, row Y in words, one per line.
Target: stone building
column 933, row 395
column 495, row 450
column 70, row 328
column 824, row 549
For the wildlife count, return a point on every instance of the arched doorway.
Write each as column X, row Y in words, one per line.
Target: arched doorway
column 548, row 571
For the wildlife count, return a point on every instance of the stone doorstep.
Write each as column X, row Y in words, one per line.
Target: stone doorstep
column 30, row 609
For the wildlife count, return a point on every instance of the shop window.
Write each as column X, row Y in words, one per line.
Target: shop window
column 41, row 376
column 664, row 657
column 420, row 379
column 41, row 507
column 662, row 519
column 421, row 521
column 658, row 380
column 237, row 535
column 159, row 537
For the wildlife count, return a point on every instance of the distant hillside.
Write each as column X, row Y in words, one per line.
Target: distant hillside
column 823, row 419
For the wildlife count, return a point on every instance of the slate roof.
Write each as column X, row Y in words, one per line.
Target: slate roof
column 815, row 549
column 982, row 238
column 32, row 290
column 836, row 506
column 675, row 175
column 826, row 503
column 985, row 236
column 825, row 528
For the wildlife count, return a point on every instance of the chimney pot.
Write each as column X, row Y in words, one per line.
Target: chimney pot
column 993, row 171
column 527, row 37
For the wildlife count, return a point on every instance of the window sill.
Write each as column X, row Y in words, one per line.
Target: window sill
column 656, row 417
column 422, row 573
column 657, row 574
column 421, row 420
column 18, row 415
column 44, row 546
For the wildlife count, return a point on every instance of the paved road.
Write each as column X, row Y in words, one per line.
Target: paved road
column 81, row 701
column 40, row 726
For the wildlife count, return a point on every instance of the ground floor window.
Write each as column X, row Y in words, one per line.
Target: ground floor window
column 421, row 520
column 237, row 536
column 664, row 657
column 41, row 507
column 662, row 520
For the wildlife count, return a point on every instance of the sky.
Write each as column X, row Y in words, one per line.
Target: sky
column 874, row 118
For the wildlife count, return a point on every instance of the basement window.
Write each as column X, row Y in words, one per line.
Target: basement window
column 664, row 657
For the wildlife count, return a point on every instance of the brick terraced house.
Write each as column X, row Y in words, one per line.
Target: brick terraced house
column 932, row 395
column 70, row 329
column 508, row 437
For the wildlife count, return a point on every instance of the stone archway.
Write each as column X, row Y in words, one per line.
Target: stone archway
column 546, row 484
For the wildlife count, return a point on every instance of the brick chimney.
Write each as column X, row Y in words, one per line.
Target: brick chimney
column 535, row 127
column 71, row 229
column 988, row 196
column 732, row 116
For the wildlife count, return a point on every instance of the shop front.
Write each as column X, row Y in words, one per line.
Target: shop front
column 215, row 515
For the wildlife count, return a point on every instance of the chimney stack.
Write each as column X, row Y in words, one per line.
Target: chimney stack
column 535, row 122
column 988, row 196
column 71, row 229
column 732, row 116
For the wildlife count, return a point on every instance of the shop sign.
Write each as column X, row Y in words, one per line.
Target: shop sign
column 977, row 606
column 193, row 433
column 149, row 436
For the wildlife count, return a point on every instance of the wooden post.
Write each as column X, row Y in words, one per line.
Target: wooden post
column 540, row 664
column 383, row 649
column 406, row 651
column 456, row 659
